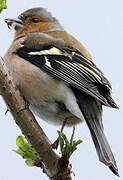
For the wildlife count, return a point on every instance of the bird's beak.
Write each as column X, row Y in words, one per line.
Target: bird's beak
column 15, row 23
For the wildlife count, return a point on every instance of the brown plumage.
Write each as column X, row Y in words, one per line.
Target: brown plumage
column 57, row 76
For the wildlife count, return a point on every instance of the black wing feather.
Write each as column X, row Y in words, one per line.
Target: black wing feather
column 72, row 68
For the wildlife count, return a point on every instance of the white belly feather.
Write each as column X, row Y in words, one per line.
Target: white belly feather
column 50, row 110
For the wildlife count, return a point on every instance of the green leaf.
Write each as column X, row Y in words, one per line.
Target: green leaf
column 29, row 162
column 61, row 140
column 72, row 136
column 3, row 5
column 18, row 151
column 26, row 151
column 68, row 147
column 20, row 141
column 78, row 142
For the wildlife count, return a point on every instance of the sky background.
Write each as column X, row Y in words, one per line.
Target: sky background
column 99, row 26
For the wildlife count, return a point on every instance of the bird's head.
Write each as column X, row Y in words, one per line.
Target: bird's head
column 34, row 20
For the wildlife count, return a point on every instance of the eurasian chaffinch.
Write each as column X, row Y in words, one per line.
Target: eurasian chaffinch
column 58, row 78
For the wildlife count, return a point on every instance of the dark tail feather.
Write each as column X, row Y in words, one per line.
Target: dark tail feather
column 102, row 147
column 92, row 112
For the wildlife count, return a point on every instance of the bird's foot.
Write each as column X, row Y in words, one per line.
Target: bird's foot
column 55, row 144
column 26, row 107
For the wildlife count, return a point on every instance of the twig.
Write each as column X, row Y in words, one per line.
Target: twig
column 31, row 129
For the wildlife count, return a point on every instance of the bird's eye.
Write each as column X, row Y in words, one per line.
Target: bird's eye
column 35, row 20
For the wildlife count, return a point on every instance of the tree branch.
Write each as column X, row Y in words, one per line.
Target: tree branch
column 54, row 166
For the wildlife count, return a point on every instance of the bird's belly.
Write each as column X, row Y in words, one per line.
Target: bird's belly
column 45, row 94
column 55, row 113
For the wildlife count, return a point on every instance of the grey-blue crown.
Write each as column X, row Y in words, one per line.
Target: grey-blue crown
column 38, row 11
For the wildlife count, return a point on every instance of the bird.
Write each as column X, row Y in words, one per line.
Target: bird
column 58, row 78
